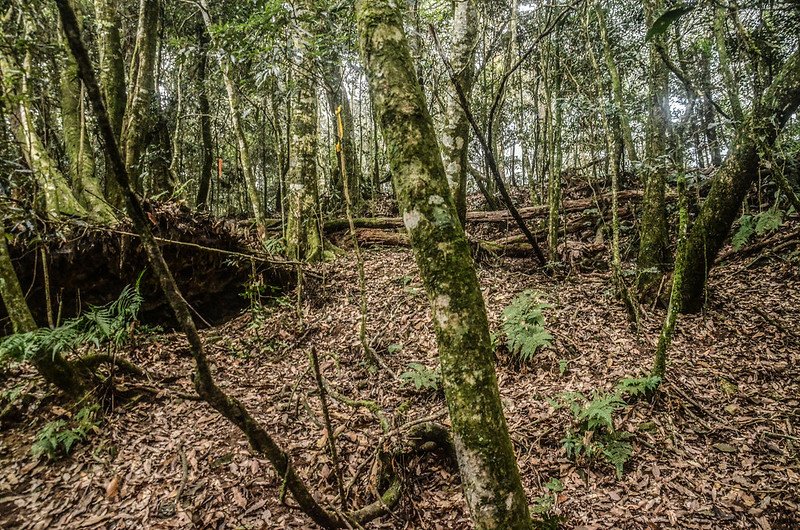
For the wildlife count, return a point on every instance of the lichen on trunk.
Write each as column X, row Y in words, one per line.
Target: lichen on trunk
column 489, row 472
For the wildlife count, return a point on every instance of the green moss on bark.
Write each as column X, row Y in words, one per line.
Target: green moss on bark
column 488, row 467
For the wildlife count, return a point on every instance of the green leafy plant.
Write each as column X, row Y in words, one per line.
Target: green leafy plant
column 422, row 377
column 635, row 387
column 523, row 326
column 394, row 348
column 593, row 435
column 758, row 224
column 58, row 438
column 108, row 324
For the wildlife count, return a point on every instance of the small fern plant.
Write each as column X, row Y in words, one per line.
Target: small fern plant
column 108, row 324
column 592, row 435
column 523, row 326
column 637, row 387
column 422, row 377
column 58, row 438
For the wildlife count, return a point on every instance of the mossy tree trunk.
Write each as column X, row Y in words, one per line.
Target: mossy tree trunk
column 755, row 136
column 56, row 196
column 303, row 234
column 112, row 75
column 489, row 472
column 653, row 255
column 456, row 133
column 338, row 98
column 139, row 114
column 52, row 367
column 616, row 87
column 204, row 112
column 78, row 143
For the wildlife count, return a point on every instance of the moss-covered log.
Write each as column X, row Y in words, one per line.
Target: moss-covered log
column 489, row 472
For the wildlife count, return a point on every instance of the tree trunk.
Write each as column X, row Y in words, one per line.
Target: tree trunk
column 236, row 116
column 337, row 97
column 303, row 237
column 653, row 235
column 455, row 136
column 52, row 367
column 489, row 472
column 616, row 87
column 204, row 111
column 78, row 143
column 754, row 137
column 57, row 197
column 139, row 116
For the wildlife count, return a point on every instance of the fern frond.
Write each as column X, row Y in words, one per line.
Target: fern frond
column 523, row 326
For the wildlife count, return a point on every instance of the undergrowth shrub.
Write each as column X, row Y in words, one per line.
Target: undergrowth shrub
column 757, row 224
column 523, row 326
column 109, row 324
column 422, row 377
column 58, row 438
column 593, row 435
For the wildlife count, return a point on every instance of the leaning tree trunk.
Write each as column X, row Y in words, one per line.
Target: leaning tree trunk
column 303, row 235
column 489, row 472
column 57, row 197
column 653, row 257
column 139, row 118
column 755, row 136
column 52, row 367
column 455, row 136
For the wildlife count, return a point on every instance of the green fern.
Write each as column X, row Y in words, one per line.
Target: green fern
column 617, row 451
column 636, row 387
column 422, row 377
column 597, row 414
column 523, row 326
column 98, row 325
column 59, row 437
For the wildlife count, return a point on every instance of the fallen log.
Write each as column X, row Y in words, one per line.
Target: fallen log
column 496, row 216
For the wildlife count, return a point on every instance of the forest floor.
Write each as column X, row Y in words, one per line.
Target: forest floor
column 718, row 448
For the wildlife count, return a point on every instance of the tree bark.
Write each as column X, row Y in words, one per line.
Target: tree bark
column 653, row 255
column 241, row 138
column 303, row 236
column 489, row 472
column 456, row 133
column 78, row 143
column 204, row 111
column 730, row 185
column 57, row 197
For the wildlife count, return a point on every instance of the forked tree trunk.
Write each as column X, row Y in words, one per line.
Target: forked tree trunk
column 54, row 191
column 78, row 143
column 139, row 117
column 489, row 472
